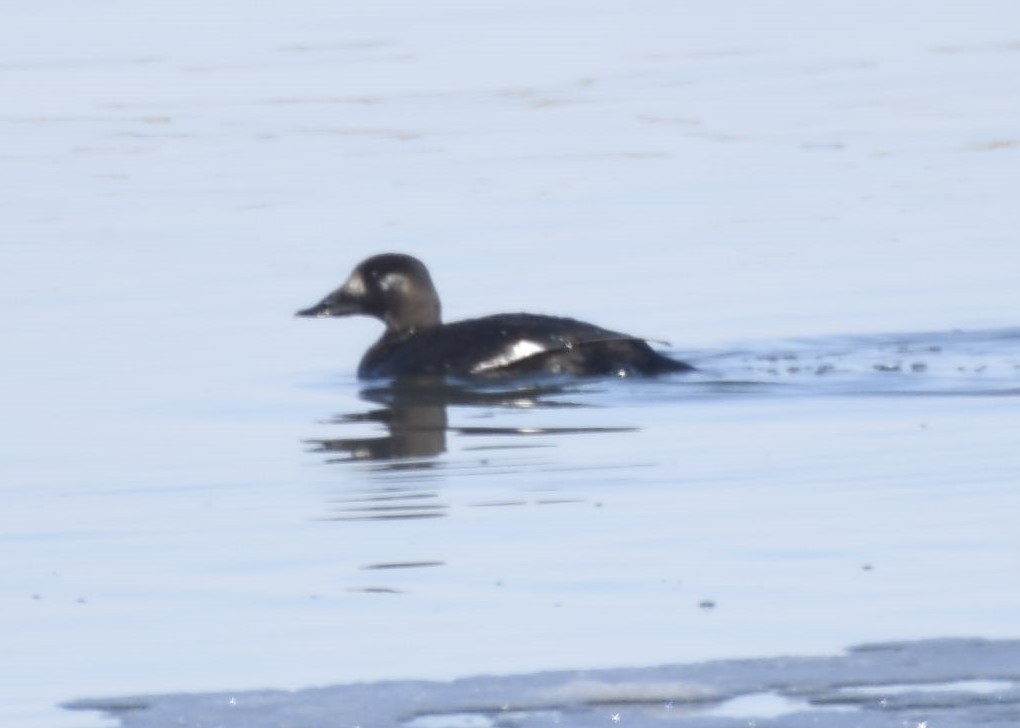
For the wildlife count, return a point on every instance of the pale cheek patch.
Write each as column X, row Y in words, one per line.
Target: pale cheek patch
column 355, row 285
column 392, row 281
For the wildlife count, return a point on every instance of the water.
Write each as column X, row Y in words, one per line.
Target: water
column 595, row 524
column 816, row 209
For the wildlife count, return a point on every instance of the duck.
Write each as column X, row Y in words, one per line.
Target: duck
column 398, row 290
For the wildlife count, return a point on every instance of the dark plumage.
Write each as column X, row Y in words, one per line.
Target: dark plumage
column 398, row 290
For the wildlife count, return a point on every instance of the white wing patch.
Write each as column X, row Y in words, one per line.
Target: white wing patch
column 514, row 353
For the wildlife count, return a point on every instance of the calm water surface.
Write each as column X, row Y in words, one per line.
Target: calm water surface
column 197, row 493
column 793, row 497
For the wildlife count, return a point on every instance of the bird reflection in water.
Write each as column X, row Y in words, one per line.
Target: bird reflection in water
column 413, row 414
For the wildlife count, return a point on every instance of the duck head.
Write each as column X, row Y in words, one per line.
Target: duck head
column 394, row 288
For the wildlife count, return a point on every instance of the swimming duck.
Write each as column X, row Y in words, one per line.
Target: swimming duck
column 397, row 289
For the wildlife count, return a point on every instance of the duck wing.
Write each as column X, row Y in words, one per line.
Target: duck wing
column 520, row 344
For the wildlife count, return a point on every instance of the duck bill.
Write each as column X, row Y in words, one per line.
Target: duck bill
column 339, row 303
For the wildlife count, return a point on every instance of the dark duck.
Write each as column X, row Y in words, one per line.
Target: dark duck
column 397, row 289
